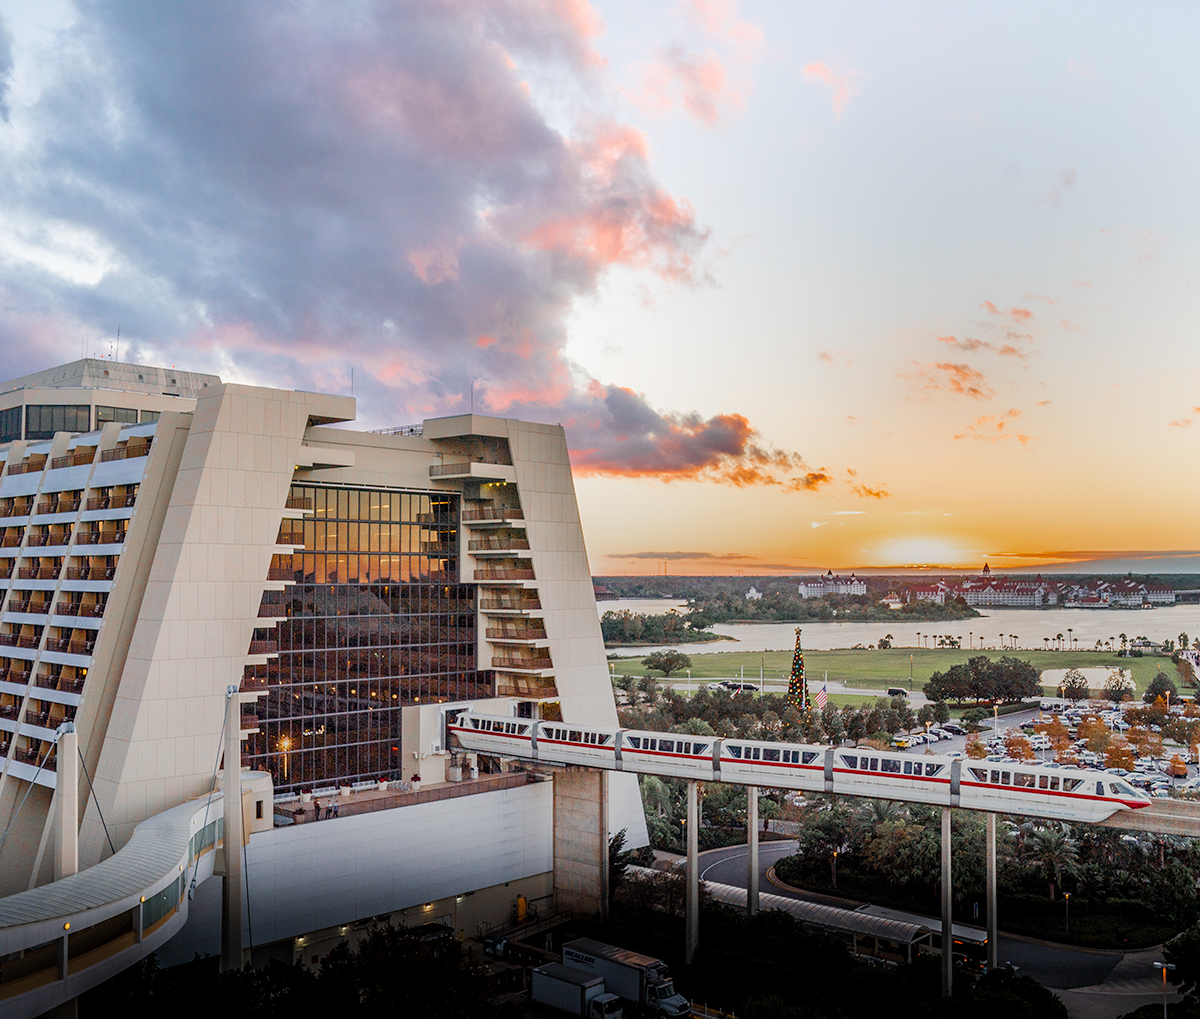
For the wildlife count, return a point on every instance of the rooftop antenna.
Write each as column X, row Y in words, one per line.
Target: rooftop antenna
column 118, row 358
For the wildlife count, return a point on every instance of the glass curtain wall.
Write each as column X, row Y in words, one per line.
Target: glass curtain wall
column 376, row 621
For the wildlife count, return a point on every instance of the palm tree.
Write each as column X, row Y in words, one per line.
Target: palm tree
column 656, row 796
column 876, row 812
column 1055, row 852
column 1058, row 637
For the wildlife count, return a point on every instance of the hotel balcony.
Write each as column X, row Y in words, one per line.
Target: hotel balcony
column 473, row 469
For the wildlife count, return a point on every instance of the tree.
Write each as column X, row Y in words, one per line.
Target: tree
column 1018, row 747
column 1184, row 952
column 886, row 642
column 1117, row 687
column 1075, row 686
column 619, row 859
column 925, row 714
column 941, row 713
column 667, row 661
column 976, row 749
column 1055, row 852
column 1119, row 755
column 1160, row 686
column 1177, row 767
column 1187, row 672
column 1095, row 732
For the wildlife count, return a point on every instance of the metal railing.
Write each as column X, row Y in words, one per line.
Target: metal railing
column 126, row 452
column 504, row 575
column 100, row 538
column 28, row 467
column 492, row 514
column 48, row 539
column 297, row 503
column 73, row 460
column 67, row 646
column 106, row 502
column 500, row 633
column 398, row 430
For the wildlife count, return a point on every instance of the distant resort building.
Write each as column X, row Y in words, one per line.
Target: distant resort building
column 753, row 594
column 818, row 587
column 986, row 590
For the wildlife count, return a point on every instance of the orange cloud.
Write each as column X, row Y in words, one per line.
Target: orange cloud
column 954, row 377
column 839, row 84
column 1016, row 314
column 870, row 493
column 969, row 345
column 1073, row 327
column 825, row 356
column 1185, row 422
column 994, row 428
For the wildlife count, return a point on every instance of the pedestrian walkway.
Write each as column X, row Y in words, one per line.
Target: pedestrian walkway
column 1133, row 982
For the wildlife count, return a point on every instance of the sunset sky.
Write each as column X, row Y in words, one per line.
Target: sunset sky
column 810, row 285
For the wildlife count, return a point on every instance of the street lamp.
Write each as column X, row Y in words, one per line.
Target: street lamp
column 1164, row 966
column 1067, row 907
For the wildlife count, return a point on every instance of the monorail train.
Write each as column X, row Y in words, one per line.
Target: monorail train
column 1067, row 794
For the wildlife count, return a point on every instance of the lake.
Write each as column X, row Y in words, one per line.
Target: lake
column 1031, row 627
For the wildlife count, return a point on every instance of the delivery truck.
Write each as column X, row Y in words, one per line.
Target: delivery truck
column 574, row 991
column 636, row 978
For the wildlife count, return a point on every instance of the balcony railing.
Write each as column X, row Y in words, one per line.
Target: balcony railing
column 281, row 573
column 510, row 604
column 17, row 509
column 58, row 506
column 70, row 647
column 36, row 757
column 14, row 676
column 91, row 572
column 28, row 467
column 290, row 537
column 107, row 502
column 502, row 634
column 126, row 452
column 498, row 545
column 264, row 647
column 9, row 639
column 522, row 663
column 502, row 513
column 74, row 460
column 36, row 573
column 272, row 611
column 34, row 605
column 100, row 538
column 61, row 683
column 43, row 540
column 504, row 575
column 10, row 541
column 297, row 503
column 90, row 610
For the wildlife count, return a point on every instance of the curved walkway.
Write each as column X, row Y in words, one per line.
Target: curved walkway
column 63, row 938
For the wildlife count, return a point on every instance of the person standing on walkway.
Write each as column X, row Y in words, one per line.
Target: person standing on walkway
column 316, row 810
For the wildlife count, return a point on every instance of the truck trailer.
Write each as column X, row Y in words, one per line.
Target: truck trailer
column 636, row 978
column 574, row 991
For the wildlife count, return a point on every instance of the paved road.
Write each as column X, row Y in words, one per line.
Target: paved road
column 1052, row 965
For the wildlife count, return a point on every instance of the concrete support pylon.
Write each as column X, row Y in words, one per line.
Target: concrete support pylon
column 231, row 883
column 993, row 949
column 66, row 792
column 605, row 885
column 752, row 846
column 947, row 904
column 693, row 874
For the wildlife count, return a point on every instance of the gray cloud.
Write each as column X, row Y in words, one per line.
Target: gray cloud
column 6, row 66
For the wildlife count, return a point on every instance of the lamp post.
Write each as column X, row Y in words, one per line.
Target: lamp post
column 1067, row 907
column 1070, row 630
column 1164, row 966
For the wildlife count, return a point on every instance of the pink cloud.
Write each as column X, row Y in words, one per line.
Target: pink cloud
column 839, row 84
column 1072, row 327
column 970, row 345
column 719, row 18
column 1185, row 422
column 995, row 428
column 696, row 81
column 957, row 378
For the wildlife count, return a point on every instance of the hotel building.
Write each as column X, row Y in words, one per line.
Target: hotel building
column 165, row 536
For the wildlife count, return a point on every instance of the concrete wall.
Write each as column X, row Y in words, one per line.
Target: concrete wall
column 313, row 876
column 580, row 841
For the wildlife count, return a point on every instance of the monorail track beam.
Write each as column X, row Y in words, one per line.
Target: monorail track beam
column 993, row 946
column 752, row 850
column 693, row 874
column 947, row 910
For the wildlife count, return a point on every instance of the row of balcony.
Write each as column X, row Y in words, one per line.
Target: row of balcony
column 59, row 539
column 503, row 544
column 488, row 513
column 43, row 680
column 514, row 633
column 77, row 459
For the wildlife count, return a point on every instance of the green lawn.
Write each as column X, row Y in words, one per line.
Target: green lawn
column 877, row 669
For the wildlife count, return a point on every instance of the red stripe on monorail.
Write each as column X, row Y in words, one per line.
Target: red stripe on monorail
column 1025, row 790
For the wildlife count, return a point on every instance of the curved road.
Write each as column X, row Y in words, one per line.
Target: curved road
column 1053, row 965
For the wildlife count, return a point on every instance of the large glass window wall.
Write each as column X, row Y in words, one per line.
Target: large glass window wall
column 375, row 622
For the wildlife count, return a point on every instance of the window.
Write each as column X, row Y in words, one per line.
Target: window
column 874, row 763
column 758, row 753
column 770, row 754
column 735, row 752
column 1043, row 781
column 995, row 778
column 808, row 756
column 124, row 415
column 1099, row 788
column 43, row 420
column 1024, row 780
column 980, row 774
column 1053, row 783
column 1005, row 778
column 699, row 748
column 908, row 768
column 10, row 424
column 891, row 767
column 1071, row 784
column 933, row 769
column 634, row 741
column 149, row 415
column 850, row 762
column 574, row 735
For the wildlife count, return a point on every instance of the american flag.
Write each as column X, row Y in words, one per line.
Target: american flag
column 821, row 699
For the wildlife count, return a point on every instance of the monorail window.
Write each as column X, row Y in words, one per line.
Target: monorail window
column 1071, row 784
column 603, row 740
column 874, row 763
column 574, row 735
column 522, row 729
column 933, row 769
column 980, row 774
column 634, row 741
column 891, row 767
column 1043, row 781
column 995, row 778
column 1024, row 780
column 807, row 757
column 757, row 753
column 1099, row 788
column 850, row 762
column 699, row 748
column 667, row 745
column 735, row 752
column 475, row 722
column 908, row 768
column 1005, row 778
column 1053, row 783
column 770, row 754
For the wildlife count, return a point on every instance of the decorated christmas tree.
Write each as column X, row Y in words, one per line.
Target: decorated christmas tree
column 797, row 694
